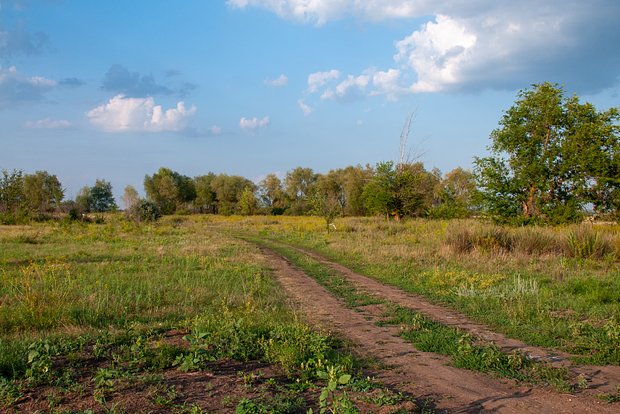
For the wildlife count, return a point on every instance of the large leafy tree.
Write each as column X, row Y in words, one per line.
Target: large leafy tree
column 550, row 156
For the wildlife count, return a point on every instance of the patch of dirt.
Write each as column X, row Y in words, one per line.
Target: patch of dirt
column 424, row 375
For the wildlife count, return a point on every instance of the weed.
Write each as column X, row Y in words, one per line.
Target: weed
column 9, row 392
column 586, row 243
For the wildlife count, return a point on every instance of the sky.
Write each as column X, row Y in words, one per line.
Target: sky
column 117, row 89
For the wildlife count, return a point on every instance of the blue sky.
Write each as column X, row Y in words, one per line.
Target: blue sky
column 117, row 89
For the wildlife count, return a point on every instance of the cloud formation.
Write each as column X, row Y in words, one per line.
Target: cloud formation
column 48, row 123
column 469, row 45
column 16, row 88
column 18, row 41
column 281, row 80
column 318, row 79
column 125, row 114
column 253, row 124
column 119, row 79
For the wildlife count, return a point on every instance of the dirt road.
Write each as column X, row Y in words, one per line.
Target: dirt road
column 425, row 375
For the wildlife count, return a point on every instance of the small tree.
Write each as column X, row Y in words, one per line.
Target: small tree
column 248, row 205
column 130, row 197
column 101, row 197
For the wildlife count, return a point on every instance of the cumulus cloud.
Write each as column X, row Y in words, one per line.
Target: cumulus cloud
column 318, row 79
column 254, row 124
column 281, row 80
column 305, row 108
column 125, row 114
column 48, row 123
column 470, row 45
column 16, row 88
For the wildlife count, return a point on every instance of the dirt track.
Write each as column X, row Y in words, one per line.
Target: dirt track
column 424, row 375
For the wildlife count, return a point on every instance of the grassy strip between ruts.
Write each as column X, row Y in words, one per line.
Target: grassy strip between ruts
column 426, row 335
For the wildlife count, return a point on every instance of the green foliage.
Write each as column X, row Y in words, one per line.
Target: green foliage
column 42, row 191
column 248, row 205
column 101, row 197
column 144, row 211
column 9, row 392
column 169, row 189
column 11, row 190
column 550, row 157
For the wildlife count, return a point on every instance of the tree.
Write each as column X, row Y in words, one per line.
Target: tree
column 169, row 190
column 248, row 205
column 455, row 196
column 101, row 197
column 228, row 190
column 206, row 199
column 380, row 192
column 550, row 156
column 42, row 191
column 299, row 184
column 328, row 198
column 130, row 197
column 272, row 195
column 11, row 190
column 82, row 200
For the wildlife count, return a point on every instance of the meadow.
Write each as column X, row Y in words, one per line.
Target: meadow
column 556, row 287
column 109, row 317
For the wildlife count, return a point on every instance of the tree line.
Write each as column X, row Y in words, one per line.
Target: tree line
column 552, row 158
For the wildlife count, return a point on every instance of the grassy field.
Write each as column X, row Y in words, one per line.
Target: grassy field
column 554, row 287
column 106, row 317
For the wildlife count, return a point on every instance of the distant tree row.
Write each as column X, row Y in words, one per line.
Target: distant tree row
column 404, row 190
column 41, row 194
column 551, row 159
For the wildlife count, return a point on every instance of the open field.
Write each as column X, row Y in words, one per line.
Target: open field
column 172, row 317
column 202, row 314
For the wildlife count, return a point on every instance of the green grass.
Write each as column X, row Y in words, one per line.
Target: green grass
column 86, row 310
column 427, row 335
column 556, row 287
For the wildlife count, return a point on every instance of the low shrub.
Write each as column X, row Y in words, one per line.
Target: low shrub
column 144, row 210
column 586, row 243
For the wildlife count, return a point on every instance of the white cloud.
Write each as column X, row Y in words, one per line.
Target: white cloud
column 305, row 108
column 387, row 83
column 469, row 45
column 437, row 53
column 318, row 79
column 351, row 87
column 253, row 123
column 48, row 123
column 123, row 114
column 17, row 88
column 281, row 80
column 321, row 11
column 216, row 130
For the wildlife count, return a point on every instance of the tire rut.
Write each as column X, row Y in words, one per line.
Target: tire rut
column 425, row 375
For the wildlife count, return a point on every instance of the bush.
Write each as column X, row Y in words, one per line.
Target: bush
column 586, row 243
column 144, row 210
